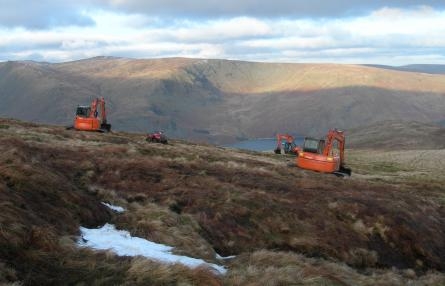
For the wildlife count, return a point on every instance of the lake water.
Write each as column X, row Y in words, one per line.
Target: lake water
column 261, row 145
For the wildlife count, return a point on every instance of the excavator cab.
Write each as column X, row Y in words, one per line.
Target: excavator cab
column 313, row 145
column 83, row 111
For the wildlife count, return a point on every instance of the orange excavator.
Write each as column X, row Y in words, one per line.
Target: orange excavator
column 88, row 119
column 289, row 144
column 324, row 155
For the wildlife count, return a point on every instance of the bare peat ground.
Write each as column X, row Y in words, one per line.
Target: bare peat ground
column 383, row 226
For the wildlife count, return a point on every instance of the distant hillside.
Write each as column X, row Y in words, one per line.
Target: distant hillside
column 395, row 135
column 426, row 68
column 220, row 101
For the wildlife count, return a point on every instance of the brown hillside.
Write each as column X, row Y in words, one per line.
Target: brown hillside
column 395, row 135
column 220, row 101
column 284, row 224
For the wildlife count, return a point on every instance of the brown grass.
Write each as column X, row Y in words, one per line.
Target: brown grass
column 162, row 225
column 146, row 272
column 281, row 268
column 202, row 199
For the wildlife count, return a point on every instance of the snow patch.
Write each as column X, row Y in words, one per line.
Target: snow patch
column 114, row 208
column 123, row 244
column 219, row 257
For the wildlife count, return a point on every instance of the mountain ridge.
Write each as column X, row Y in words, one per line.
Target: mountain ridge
column 227, row 99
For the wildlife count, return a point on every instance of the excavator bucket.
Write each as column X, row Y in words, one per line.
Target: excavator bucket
column 105, row 127
column 343, row 171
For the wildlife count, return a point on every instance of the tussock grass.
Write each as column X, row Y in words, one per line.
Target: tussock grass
column 146, row 272
column 202, row 188
column 8, row 274
column 161, row 225
column 202, row 199
column 284, row 268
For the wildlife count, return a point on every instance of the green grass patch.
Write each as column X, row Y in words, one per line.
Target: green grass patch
column 387, row 167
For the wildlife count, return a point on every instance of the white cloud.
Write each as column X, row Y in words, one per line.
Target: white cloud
column 292, row 42
column 422, row 21
column 73, row 44
column 242, row 27
column 385, row 36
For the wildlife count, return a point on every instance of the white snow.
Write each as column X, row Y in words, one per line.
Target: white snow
column 114, row 208
column 224, row 257
column 123, row 244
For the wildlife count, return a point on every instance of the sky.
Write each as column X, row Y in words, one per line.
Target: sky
column 346, row 31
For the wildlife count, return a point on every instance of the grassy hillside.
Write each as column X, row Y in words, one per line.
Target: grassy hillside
column 285, row 225
column 220, row 101
column 395, row 135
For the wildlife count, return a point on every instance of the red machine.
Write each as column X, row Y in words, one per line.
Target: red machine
column 157, row 137
column 289, row 144
column 88, row 119
column 324, row 155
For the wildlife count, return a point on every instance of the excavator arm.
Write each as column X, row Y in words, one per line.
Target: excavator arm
column 103, row 113
column 335, row 135
column 289, row 144
column 93, row 113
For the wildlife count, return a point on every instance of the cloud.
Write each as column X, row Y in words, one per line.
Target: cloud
column 43, row 14
column 54, row 13
column 220, row 30
column 387, row 35
column 259, row 8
